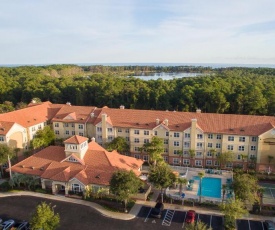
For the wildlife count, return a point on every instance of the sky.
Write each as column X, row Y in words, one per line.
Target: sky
column 137, row 31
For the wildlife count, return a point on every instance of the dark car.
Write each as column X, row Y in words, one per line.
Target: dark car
column 24, row 225
column 269, row 225
column 157, row 210
column 190, row 217
column 6, row 225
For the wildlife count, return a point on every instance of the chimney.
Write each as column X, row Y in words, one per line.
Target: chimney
column 122, row 107
column 92, row 114
column 93, row 139
column 157, row 121
column 198, row 111
column 166, row 122
column 68, row 103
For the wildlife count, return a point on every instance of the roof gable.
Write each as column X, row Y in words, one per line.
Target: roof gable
column 71, row 116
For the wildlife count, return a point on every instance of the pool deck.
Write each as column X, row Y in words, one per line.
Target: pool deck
column 191, row 195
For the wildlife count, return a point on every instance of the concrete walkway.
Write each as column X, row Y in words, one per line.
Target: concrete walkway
column 135, row 209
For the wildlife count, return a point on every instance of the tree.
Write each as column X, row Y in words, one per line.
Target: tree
column 154, row 149
column 225, row 157
column 43, row 138
column 191, row 155
column 201, row 175
column 232, row 210
column 123, row 184
column 120, row 144
column 162, row 177
column 181, row 182
column 244, row 157
column 245, row 187
column 199, row 225
column 44, row 217
column 5, row 151
column 270, row 159
column 224, row 189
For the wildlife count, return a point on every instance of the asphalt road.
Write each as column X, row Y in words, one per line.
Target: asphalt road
column 74, row 216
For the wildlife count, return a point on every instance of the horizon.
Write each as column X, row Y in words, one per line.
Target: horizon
column 137, row 31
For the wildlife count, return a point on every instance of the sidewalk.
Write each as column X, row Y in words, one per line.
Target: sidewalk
column 134, row 211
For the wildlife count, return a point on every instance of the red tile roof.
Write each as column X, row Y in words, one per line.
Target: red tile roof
column 5, row 126
column 76, row 139
column 98, row 166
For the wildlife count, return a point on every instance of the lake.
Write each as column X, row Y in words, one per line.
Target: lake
column 166, row 76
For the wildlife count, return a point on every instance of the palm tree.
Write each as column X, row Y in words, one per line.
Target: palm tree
column 191, row 155
column 224, row 188
column 244, row 157
column 197, row 226
column 201, row 175
column 181, row 181
column 180, row 152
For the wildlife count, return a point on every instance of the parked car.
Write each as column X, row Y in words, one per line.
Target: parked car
column 157, row 210
column 6, row 225
column 269, row 225
column 190, row 217
column 24, row 225
column 1, row 220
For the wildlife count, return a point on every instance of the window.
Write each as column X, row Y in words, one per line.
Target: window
column 241, row 139
column 209, row 145
column 146, row 141
column 187, row 135
column 73, row 132
column 156, row 133
column 219, row 136
column 252, row 156
column 176, row 161
column 119, row 130
column 67, row 132
column 146, row 132
column 136, row 132
column 136, row 140
column 176, row 134
column 239, row 157
column 186, row 162
column 186, row 144
column 254, row 139
column 73, row 125
column 208, row 162
column 80, row 126
column 167, row 134
column 210, row 136
column 209, row 154
column 198, row 154
column 165, row 158
column 99, row 137
column 198, row 163
column 145, row 158
column 39, row 127
column 216, row 163
column 165, row 150
column 110, row 138
column 56, row 132
column 127, row 138
column 71, row 159
column 165, row 141
column 176, row 152
column 186, row 153
column 230, row 138
column 110, row 130
column 199, row 136
column 81, row 134
column 56, row 125
column 66, row 125
column 127, row 131
column 241, row 148
column 176, row 143
column 1, row 138
column 229, row 165
column 230, row 147
column 137, row 156
column 99, row 129
column 253, row 148
column 199, row 145
column 76, row 188
column 136, row 149
column 218, row 145
column 33, row 128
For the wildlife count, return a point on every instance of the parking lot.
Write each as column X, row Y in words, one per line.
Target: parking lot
column 176, row 219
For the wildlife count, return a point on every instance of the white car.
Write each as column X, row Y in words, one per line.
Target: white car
column 6, row 225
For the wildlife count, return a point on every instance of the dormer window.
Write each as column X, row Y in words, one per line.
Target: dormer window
column 72, row 159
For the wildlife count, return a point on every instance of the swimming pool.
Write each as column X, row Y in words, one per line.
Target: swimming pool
column 211, row 187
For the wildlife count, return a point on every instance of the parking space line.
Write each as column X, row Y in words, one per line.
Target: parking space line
column 263, row 225
column 249, row 224
column 184, row 220
column 148, row 215
column 210, row 221
column 168, row 217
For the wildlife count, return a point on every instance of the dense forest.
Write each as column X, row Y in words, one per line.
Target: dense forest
column 224, row 90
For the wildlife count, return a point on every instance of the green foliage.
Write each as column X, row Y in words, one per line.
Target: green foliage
column 154, row 149
column 199, row 225
column 225, row 157
column 201, row 175
column 44, row 217
column 245, row 187
column 5, row 151
column 43, row 138
column 162, row 176
column 123, row 184
column 232, row 210
column 120, row 144
column 7, row 106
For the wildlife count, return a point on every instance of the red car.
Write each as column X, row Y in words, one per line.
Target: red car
column 190, row 217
